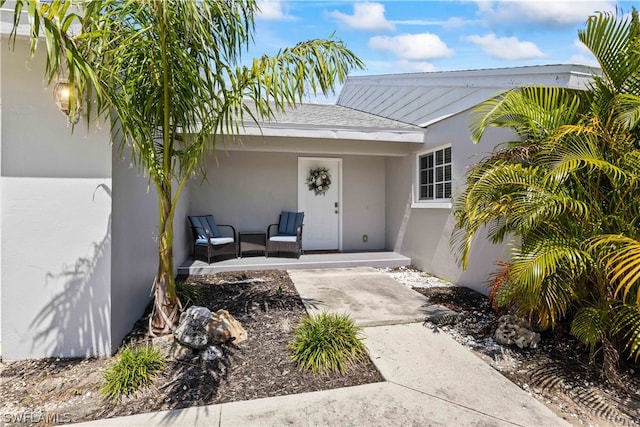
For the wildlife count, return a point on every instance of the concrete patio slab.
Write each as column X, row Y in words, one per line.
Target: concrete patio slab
column 370, row 297
column 322, row 260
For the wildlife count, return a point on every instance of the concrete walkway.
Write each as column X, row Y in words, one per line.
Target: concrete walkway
column 431, row 380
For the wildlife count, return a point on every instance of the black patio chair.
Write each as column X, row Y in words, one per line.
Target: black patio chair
column 208, row 240
column 288, row 238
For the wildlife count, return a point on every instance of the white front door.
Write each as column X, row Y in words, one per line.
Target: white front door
column 322, row 210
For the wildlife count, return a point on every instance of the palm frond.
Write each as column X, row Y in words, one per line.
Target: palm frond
column 607, row 36
column 630, row 114
column 621, row 255
column 532, row 112
column 626, row 322
column 577, row 150
column 591, row 325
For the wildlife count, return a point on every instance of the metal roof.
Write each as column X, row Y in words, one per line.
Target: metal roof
column 425, row 98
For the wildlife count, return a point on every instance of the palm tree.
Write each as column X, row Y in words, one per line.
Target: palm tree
column 566, row 192
column 170, row 77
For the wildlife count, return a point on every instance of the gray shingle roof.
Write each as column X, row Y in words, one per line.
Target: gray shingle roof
column 334, row 117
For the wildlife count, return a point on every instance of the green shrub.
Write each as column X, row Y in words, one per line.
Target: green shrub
column 188, row 293
column 134, row 367
column 327, row 342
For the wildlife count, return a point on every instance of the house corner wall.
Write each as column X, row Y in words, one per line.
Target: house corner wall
column 423, row 234
column 135, row 255
column 55, row 224
column 181, row 230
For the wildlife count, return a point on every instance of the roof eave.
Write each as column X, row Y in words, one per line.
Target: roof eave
column 357, row 134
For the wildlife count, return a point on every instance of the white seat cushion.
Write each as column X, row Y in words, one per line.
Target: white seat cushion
column 221, row 240
column 283, row 239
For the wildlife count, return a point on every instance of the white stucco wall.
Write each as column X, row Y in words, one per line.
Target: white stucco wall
column 423, row 234
column 181, row 230
column 56, row 231
column 249, row 189
column 56, row 250
column 134, row 259
column 363, row 203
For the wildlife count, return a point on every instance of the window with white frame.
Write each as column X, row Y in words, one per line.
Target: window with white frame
column 434, row 175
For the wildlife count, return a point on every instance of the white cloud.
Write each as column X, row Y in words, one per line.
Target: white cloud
column 272, row 10
column 552, row 13
column 414, row 66
column 457, row 22
column 509, row 48
column 395, row 67
column 366, row 16
column 451, row 23
column 581, row 47
column 412, row 46
column 589, row 61
column 583, row 57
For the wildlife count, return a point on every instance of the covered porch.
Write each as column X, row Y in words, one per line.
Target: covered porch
column 378, row 259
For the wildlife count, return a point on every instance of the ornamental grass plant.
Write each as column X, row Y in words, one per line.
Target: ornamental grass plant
column 327, row 342
column 188, row 293
column 134, row 368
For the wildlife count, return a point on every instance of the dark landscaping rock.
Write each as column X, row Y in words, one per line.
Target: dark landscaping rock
column 212, row 353
column 192, row 328
column 513, row 330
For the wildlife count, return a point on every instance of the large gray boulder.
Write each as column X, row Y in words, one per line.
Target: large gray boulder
column 192, row 328
column 199, row 328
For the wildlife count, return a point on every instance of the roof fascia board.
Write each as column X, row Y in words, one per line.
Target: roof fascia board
column 364, row 134
column 260, row 143
column 487, row 78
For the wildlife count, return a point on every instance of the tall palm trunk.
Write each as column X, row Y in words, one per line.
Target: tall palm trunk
column 166, row 307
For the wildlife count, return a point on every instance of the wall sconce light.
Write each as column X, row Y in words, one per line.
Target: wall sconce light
column 62, row 93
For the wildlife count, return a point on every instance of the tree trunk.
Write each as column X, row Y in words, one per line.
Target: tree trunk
column 166, row 306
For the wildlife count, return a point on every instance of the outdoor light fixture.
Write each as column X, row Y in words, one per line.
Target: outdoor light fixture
column 62, row 93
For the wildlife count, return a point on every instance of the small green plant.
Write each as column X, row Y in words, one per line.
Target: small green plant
column 327, row 342
column 188, row 293
column 135, row 367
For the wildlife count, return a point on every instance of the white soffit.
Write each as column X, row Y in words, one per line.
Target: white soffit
column 24, row 30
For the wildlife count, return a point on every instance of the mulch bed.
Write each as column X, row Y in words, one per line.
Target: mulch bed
column 258, row 367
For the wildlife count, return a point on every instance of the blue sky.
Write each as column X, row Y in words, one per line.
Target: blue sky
column 416, row 36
